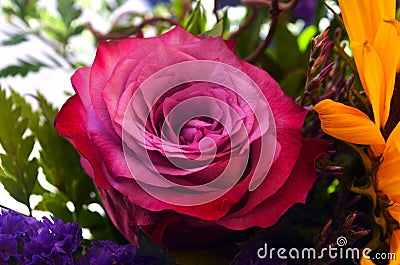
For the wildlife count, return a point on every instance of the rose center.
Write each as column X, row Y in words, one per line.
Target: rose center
column 196, row 129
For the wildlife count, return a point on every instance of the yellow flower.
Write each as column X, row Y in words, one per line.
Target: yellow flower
column 365, row 261
column 395, row 247
column 375, row 40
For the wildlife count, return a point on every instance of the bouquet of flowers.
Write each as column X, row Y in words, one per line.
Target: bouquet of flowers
column 197, row 137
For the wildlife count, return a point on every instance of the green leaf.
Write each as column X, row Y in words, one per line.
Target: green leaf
column 22, row 68
column 91, row 219
column 38, row 189
column 24, row 8
column 7, row 163
column 78, row 30
column 147, row 247
column 216, row 31
column 14, row 39
column 61, row 162
column 47, row 110
column 249, row 38
column 26, row 108
column 54, row 60
column 25, row 148
column 286, row 43
column 81, row 186
column 227, row 24
column 57, row 32
column 293, row 83
column 196, row 23
column 100, row 227
column 216, row 255
column 12, row 186
column 180, row 7
column 30, row 176
column 12, row 124
column 55, row 204
column 68, row 11
column 398, row 14
column 304, row 39
column 19, row 174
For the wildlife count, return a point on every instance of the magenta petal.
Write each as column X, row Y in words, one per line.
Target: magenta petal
column 70, row 123
column 295, row 190
column 289, row 119
column 80, row 83
column 125, row 216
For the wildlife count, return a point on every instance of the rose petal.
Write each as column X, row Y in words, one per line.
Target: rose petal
column 70, row 123
column 298, row 185
column 289, row 119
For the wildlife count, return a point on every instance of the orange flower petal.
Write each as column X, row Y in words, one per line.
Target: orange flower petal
column 394, row 211
column 371, row 74
column 386, row 45
column 347, row 123
column 388, row 8
column 365, row 261
column 394, row 135
column 391, row 187
column 388, row 174
column 397, row 25
column 395, row 246
column 359, row 26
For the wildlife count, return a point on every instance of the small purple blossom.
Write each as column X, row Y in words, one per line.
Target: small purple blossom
column 14, row 228
column 8, row 247
column 106, row 252
column 305, row 10
column 14, row 223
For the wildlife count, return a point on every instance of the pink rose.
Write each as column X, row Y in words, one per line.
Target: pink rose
column 185, row 140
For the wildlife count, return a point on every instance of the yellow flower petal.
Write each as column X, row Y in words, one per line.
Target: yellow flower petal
column 395, row 246
column 394, row 211
column 347, row 123
column 397, row 25
column 394, row 135
column 388, row 174
column 391, row 187
column 365, row 261
column 371, row 74
column 359, row 25
column 389, row 8
column 386, row 45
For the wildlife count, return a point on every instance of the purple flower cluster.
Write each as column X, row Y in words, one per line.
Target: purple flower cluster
column 25, row 240
column 107, row 252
